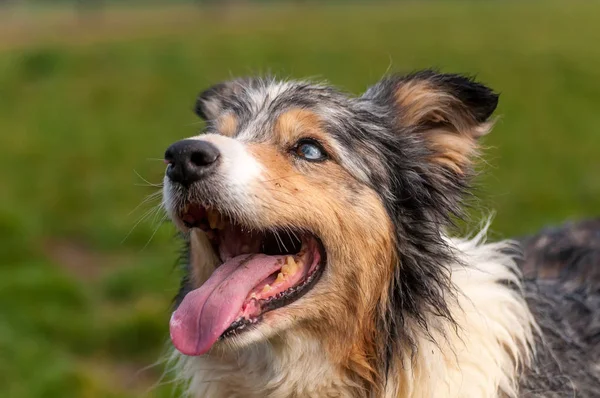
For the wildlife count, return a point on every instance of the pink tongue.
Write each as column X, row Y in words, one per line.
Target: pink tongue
column 205, row 313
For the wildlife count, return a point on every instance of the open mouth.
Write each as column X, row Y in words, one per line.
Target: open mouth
column 260, row 271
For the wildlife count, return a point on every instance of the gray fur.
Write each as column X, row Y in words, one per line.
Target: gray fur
column 562, row 270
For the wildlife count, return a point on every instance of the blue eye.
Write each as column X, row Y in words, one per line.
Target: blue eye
column 310, row 150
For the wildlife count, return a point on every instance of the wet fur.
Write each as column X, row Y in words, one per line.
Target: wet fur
column 402, row 310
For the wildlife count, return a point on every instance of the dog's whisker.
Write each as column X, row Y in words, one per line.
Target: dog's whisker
column 147, row 213
column 159, row 224
column 159, row 185
column 149, row 198
column 279, row 241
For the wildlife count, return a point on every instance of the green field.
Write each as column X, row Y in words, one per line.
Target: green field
column 87, row 108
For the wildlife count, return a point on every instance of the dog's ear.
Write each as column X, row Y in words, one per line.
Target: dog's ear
column 213, row 101
column 448, row 112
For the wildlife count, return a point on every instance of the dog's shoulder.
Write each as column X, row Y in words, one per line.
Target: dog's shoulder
column 568, row 253
column 561, row 267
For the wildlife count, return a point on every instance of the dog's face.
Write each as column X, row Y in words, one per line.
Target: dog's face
column 303, row 206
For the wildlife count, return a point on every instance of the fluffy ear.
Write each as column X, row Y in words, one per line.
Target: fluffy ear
column 449, row 112
column 213, row 101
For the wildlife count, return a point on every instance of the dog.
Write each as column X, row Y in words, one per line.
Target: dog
column 318, row 262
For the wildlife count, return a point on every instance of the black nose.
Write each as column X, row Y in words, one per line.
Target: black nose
column 190, row 160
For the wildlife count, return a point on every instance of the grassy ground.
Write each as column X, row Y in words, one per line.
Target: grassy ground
column 88, row 104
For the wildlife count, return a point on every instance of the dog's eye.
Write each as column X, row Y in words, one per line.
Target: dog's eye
column 310, row 150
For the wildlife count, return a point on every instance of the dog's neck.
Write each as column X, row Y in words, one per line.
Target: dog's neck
column 478, row 356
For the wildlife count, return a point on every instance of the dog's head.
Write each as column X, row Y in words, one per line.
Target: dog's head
column 311, row 212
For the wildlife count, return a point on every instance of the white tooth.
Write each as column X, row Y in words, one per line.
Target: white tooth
column 290, row 266
column 280, row 278
column 266, row 288
column 253, row 295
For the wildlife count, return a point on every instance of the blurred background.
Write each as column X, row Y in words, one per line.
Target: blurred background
column 92, row 92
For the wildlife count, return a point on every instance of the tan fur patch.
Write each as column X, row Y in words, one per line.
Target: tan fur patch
column 299, row 123
column 454, row 150
column 227, row 124
column 420, row 103
column 450, row 129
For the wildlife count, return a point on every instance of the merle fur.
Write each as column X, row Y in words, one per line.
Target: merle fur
column 561, row 267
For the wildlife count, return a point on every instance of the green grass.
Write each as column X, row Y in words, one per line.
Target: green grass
column 84, row 306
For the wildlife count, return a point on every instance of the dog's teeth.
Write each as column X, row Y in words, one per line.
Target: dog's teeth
column 266, row 288
column 280, row 278
column 290, row 266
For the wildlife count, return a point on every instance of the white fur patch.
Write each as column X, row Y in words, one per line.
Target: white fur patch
column 239, row 167
column 299, row 369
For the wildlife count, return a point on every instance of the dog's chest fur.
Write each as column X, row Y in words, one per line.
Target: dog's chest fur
column 268, row 371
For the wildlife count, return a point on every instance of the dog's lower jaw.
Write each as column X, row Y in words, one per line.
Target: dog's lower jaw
column 481, row 356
